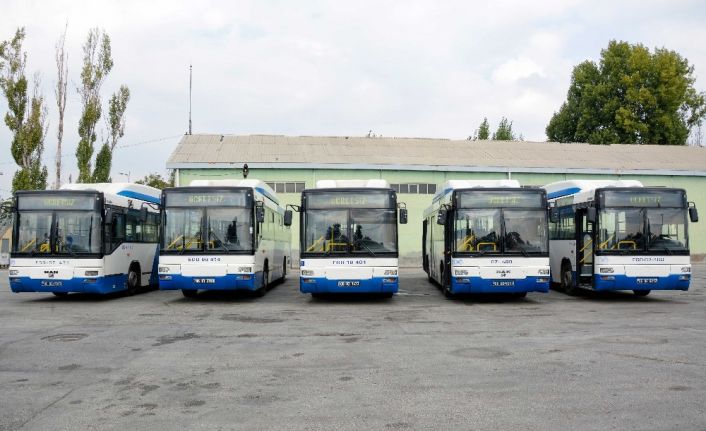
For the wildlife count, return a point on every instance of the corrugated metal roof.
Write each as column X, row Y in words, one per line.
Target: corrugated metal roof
column 222, row 150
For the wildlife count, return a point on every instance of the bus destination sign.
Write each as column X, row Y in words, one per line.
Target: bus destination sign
column 206, row 199
column 348, row 200
column 639, row 198
column 57, row 202
column 496, row 199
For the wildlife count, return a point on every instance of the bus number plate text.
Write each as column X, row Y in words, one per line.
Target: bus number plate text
column 503, row 283
column 348, row 283
column 205, row 280
column 646, row 281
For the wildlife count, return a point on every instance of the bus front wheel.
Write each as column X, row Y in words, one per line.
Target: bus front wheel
column 567, row 280
column 641, row 292
column 189, row 293
column 133, row 280
column 265, row 279
column 61, row 294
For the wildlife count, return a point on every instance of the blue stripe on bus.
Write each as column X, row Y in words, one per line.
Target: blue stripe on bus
column 140, row 196
column 101, row 285
column 267, row 194
column 325, row 285
column 563, row 192
column 485, row 285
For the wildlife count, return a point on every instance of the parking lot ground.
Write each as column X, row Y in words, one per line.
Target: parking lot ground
column 159, row 361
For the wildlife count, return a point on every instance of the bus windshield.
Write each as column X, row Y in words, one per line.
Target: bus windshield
column 501, row 231
column 58, row 232
column 640, row 229
column 227, row 229
column 370, row 231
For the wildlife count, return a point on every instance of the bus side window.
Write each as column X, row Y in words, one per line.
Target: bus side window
column 117, row 234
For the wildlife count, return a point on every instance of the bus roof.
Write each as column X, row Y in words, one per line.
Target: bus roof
column 118, row 193
column 258, row 185
column 336, row 184
column 584, row 190
column 452, row 185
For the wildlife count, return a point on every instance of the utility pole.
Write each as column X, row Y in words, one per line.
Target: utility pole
column 190, row 73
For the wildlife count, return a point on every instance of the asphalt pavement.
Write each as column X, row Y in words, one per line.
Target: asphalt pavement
column 158, row 361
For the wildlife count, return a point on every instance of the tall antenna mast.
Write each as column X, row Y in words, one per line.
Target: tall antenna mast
column 189, row 99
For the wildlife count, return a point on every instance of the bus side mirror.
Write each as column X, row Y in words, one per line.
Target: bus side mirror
column 109, row 216
column 260, row 214
column 143, row 214
column 441, row 217
column 403, row 215
column 554, row 215
column 288, row 218
column 693, row 214
column 591, row 215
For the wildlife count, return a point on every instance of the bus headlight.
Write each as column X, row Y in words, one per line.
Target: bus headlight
column 163, row 269
column 390, row 272
column 245, row 269
column 459, row 272
column 686, row 269
column 307, row 272
column 92, row 273
column 14, row 272
column 607, row 270
column 684, row 277
column 543, row 271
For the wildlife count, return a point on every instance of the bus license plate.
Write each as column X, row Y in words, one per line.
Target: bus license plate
column 646, row 281
column 348, row 283
column 503, row 283
column 205, row 280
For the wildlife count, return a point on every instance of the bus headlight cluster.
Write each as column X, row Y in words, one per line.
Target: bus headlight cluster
column 92, row 273
column 686, row 269
column 14, row 272
column 390, row 272
column 544, row 271
column 607, row 270
column 307, row 272
column 163, row 269
column 460, row 272
column 245, row 269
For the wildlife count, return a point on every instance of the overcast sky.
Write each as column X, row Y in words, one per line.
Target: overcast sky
column 406, row 68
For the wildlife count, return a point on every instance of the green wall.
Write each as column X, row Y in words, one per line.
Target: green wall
column 410, row 234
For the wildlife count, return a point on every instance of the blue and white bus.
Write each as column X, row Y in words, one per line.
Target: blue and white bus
column 223, row 235
column 487, row 236
column 619, row 235
column 348, row 240
column 92, row 238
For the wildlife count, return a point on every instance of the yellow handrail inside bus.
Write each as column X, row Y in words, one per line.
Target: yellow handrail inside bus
column 586, row 245
column 604, row 244
column 173, row 243
column 315, row 244
column 495, row 247
column 628, row 242
column 468, row 243
column 28, row 245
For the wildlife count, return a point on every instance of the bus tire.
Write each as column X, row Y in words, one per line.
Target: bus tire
column 284, row 268
column 567, row 280
column 641, row 292
column 519, row 294
column 189, row 293
column 61, row 294
column 386, row 295
column 260, row 292
column 133, row 279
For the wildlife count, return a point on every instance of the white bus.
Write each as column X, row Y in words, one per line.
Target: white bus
column 619, row 235
column 93, row 238
column 487, row 236
column 348, row 241
column 223, row 235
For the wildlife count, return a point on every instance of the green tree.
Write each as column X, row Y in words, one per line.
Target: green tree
column 97, row 63
column 483, row 132
column 155, row 180
column 632, row 96
column 504, row 132
column 116, row 130
column 26, row 118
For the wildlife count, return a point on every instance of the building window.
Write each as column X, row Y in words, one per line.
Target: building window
column 286, row 186
column 414, row 188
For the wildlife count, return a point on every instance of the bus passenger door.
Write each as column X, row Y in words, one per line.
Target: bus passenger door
column 584, row 247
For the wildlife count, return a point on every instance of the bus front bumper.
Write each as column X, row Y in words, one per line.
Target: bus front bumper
column 603, row 282
column 387, row 284
column 207, row 282
column 467, row 284
column 100, row 285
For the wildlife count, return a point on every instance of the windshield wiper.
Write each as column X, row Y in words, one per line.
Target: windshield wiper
column 220, row 243
column 360, row 242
